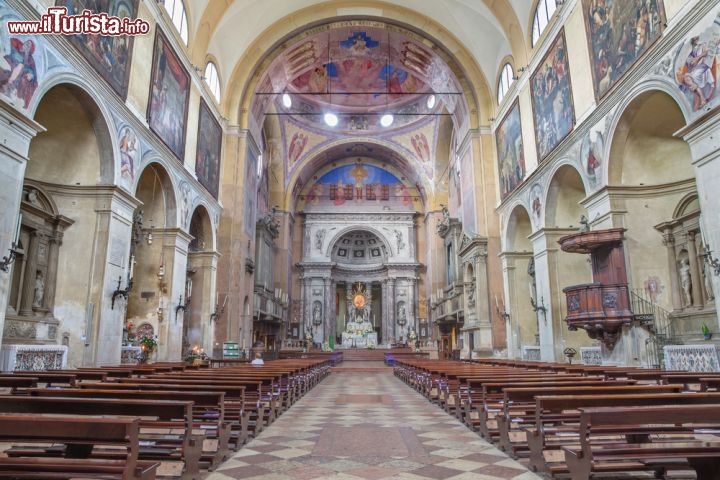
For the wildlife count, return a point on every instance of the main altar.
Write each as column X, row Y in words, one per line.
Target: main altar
column 359, row 331
column 359, row 335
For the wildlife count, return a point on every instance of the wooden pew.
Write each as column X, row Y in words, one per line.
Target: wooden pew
column 656, row 456
column 166, row 432
column 208, row 413
column 557, row 418
column 236, row 408
column 81, row 434
column 520, row 408
column 17, row 384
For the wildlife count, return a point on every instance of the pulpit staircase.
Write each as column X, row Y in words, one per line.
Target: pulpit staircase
column 658, row 322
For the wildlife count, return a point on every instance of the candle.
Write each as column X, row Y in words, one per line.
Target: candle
column 132, row 265
column 224, row 302
column 217, row 299
column 497, row 305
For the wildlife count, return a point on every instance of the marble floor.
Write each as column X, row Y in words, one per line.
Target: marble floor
column 366, row 424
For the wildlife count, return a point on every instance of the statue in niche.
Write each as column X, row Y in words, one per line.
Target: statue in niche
column 399, row 239
column 707, row 280
column 39, row 291
column 686, row 282
column 402, row 314
column 317, row 314
column 532, row 286
column 319, row 238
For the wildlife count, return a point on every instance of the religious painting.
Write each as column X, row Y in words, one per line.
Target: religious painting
column 209, row 144
column 109, row 55
column 618, row 34
column 169, row 96
column 21, row 65
column 551, row 95
column 359, row 183
column 696, row 67
column 536, row 205
column 591, row 154
column 129, row 153
column 511, row 156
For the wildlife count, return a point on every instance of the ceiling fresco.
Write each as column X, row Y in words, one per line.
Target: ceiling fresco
column 359, row 72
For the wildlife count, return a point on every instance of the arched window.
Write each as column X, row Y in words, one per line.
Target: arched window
column 212, row 80
column 176, row 10
column 543, row 12
column 506, row 79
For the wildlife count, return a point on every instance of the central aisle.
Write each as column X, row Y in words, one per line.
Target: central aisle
column 368, row 425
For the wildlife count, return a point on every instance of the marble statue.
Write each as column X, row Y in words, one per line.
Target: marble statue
column 39, row 291
column 686, row 282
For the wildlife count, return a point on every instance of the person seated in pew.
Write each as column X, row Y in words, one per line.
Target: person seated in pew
column 258, row 360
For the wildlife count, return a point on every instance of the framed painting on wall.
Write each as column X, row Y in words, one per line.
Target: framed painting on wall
column 169, row 96
column 618, row 34
column 511, row 157
column 109, row 55
column 552, row 102
column 209, row 145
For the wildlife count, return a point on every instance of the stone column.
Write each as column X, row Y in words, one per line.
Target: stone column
column 669, row 242
column 412, row 307
column 391, row 310
column 521, row 325
column 303, row 306
column 28, row 290
column 697, row 286
column 51, row 277
column 16, row 131
column 328, row 321
column 385, row 325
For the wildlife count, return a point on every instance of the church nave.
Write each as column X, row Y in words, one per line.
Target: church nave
column 364, row 423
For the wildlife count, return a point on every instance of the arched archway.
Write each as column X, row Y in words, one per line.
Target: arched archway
column 70, row 167
column 154, row 253
column 519, row 274
column 198, row 327
column 563, row 213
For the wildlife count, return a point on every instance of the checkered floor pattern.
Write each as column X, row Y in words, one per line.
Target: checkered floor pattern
column 368, row 425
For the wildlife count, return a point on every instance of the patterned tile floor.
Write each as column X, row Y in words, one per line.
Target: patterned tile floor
column 368, row 425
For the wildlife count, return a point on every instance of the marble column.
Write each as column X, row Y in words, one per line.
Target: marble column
column 392, row 337
column 16, row 131
column 51, row 280
column 412, row 306
column 385, row 315
column 669, row 242
column 28, row 290
column 329, row 320
column 697, row 286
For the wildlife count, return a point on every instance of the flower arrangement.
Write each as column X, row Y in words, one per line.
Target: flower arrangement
column 148, row 343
